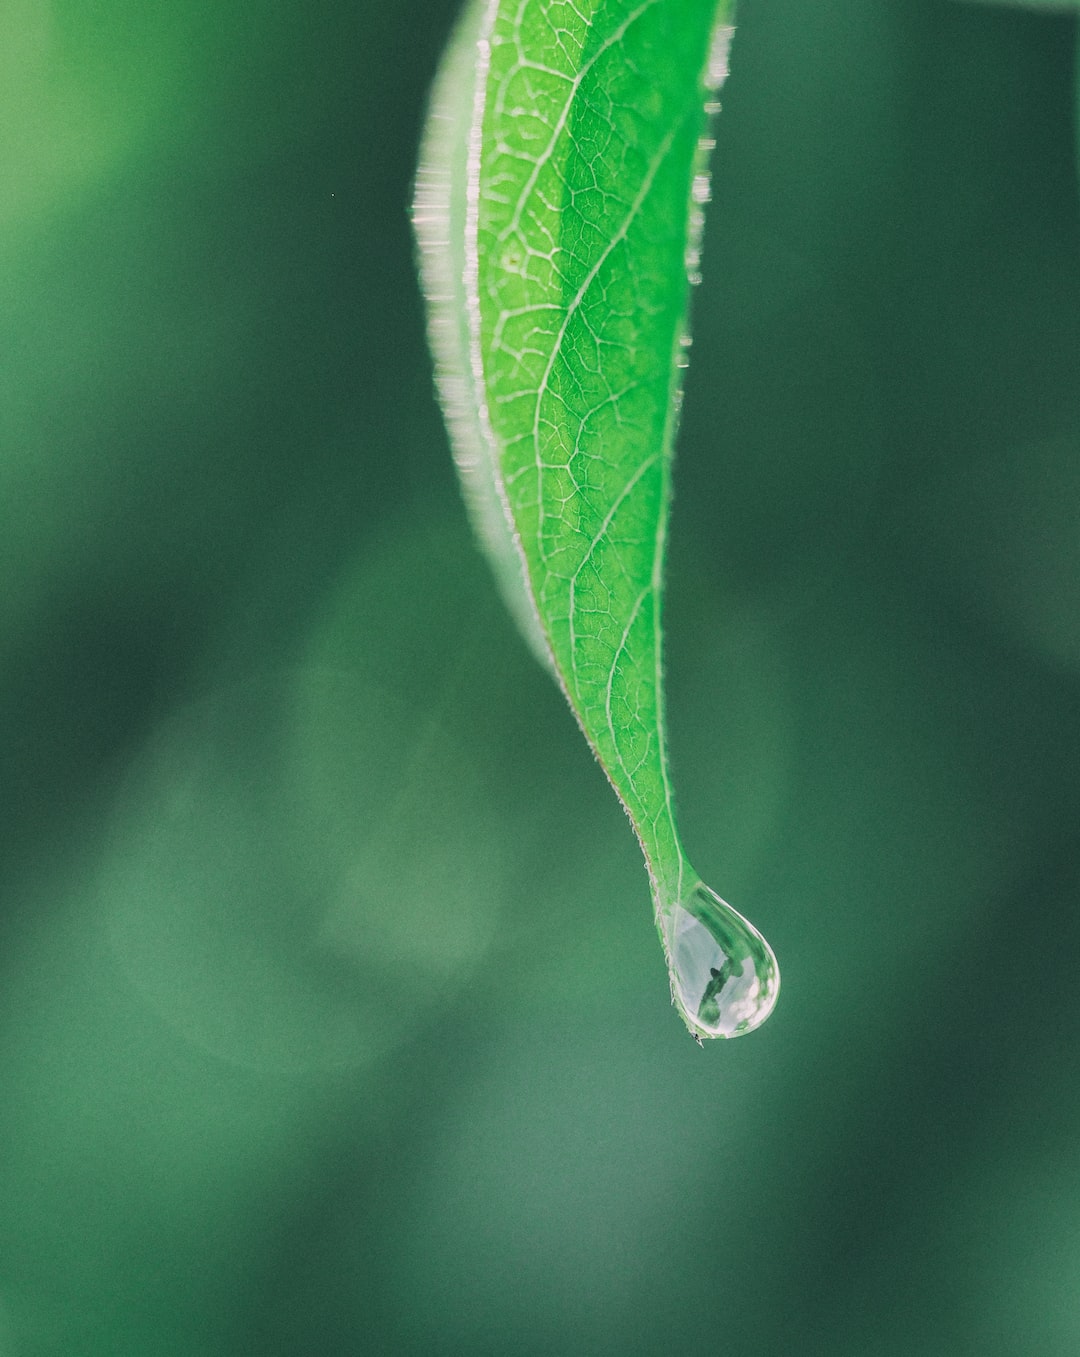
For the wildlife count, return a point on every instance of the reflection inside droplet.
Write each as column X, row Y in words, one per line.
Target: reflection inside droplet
column 724, row 976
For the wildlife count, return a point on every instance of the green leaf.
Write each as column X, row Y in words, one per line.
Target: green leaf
column 558, row 208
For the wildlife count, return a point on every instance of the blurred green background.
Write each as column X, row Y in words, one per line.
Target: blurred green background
column 332, row 1016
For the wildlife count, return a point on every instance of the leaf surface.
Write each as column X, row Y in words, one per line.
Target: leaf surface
column 558, row 209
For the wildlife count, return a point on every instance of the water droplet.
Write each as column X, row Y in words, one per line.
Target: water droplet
column 724, row 976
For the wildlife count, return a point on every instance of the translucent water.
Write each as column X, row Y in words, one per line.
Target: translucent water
column 724, row 976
